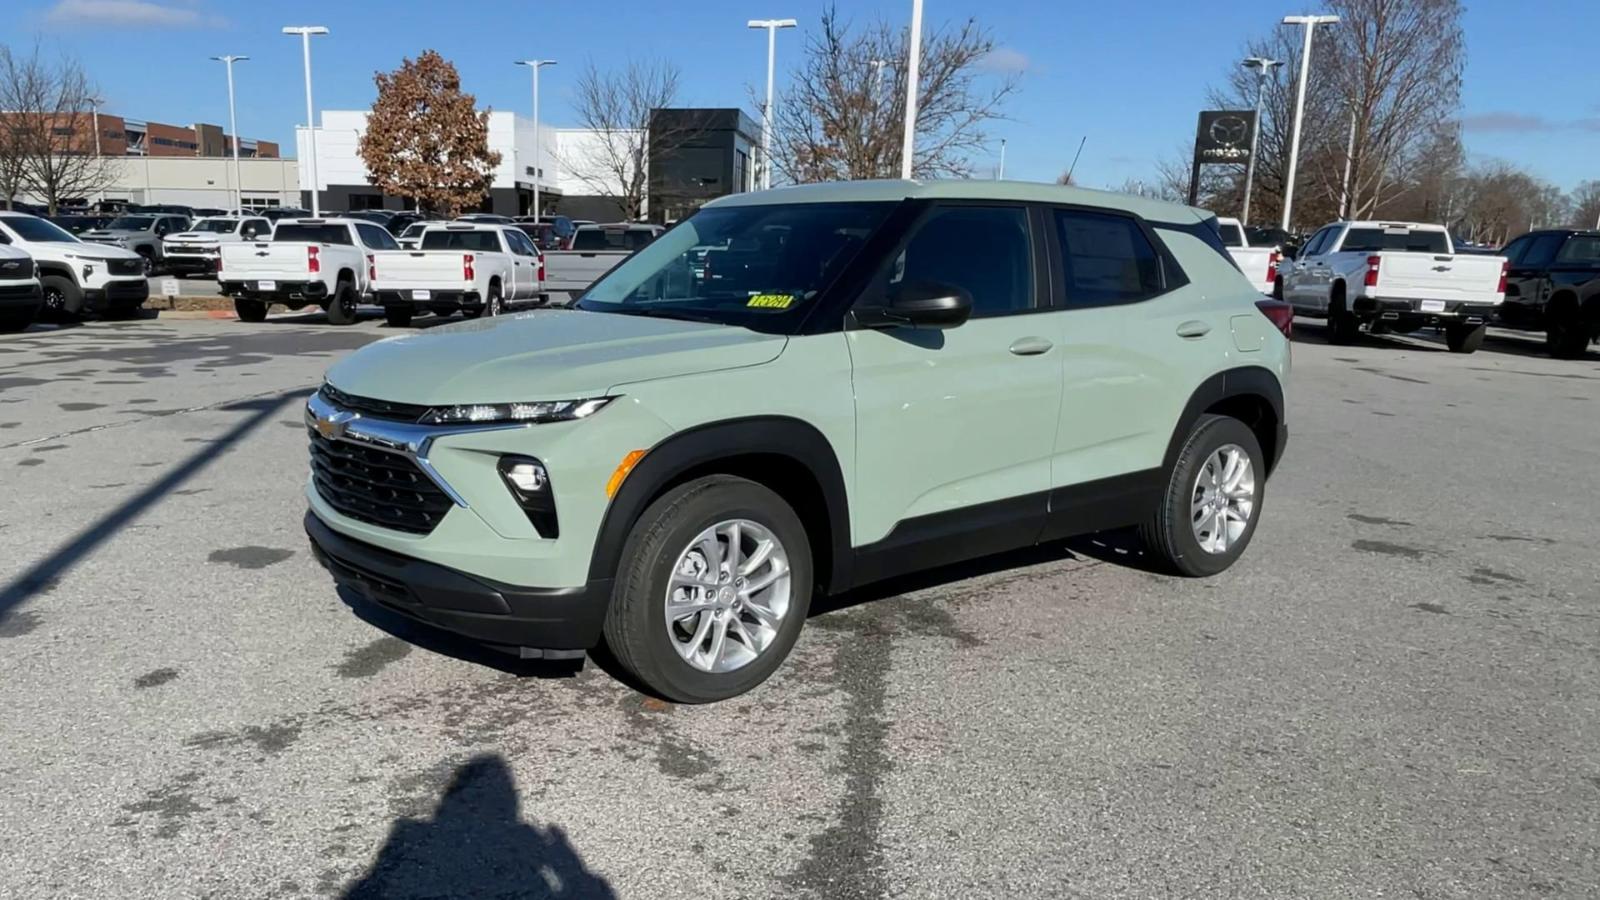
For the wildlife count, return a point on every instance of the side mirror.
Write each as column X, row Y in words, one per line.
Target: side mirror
column 919, row 304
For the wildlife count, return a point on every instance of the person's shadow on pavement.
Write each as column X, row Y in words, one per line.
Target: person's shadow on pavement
column 476, row 845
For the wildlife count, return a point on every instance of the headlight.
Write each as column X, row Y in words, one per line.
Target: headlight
column 531, row 413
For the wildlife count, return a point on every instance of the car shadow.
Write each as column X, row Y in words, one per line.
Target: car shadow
column 476, row 844
column 1427, row 340
column 436, row 640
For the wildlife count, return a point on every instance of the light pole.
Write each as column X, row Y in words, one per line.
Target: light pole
column 1001, row 175
column 233, row 130
column 772, row 26
column 1263, row 67
column 1349, row 159
column 1310, row 23
column 877, row 79
column 908, row 145
column 94, row 115
column 538, row 162
column 305, row 32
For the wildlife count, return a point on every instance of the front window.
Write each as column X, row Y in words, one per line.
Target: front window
column 39, row 231
column 216, row 226
column 739, row 265
column 132, row 223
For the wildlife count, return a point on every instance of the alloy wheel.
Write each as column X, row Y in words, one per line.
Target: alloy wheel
column 1223, row 499
column 728, row 595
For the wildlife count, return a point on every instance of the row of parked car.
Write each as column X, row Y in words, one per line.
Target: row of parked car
column 1405, row 276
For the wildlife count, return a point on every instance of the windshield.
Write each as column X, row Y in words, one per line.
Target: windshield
column 1372, row 240
column 29, row 228
column 216, row 226
column 132, row 223
column 1232, row 235
column 739, row 264
column 481, row 241
column 312, row 234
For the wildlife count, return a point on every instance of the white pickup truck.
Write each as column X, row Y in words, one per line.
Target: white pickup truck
column 595, row 249
column 76, row 276
column 1259, row 264
column 197, row 250
column 1395, row 276
column 476, row 268
column 323, row 262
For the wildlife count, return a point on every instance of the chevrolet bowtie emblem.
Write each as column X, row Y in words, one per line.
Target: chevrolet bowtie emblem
column 332, row 425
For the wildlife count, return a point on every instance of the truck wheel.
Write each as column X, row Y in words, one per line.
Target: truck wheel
column 1343, row 326
column 149, row 261
column 494, row 305
column 250, row 310
column 1277, row 289
column 1566, row 338
column 62, row 297
column 341, row 306
column 397, row 316
column 1465, row 338
column 712, row 591
column 1212, row 502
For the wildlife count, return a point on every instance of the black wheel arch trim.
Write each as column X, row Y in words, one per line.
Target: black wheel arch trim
column 1244, row 381
column 706, row 444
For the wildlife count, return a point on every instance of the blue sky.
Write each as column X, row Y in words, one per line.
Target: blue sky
column 1131, row 83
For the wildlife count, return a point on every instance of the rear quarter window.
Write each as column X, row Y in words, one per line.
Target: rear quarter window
column 312, row 234
column 477, row 241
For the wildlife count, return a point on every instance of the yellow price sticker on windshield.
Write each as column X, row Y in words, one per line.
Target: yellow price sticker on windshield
column 770, row 301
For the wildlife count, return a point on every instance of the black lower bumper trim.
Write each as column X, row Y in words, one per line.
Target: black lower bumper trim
column 1411, row 310
column 554, row 619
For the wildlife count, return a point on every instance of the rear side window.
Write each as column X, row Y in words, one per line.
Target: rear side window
column 1514, row 250
column 1582, row 248
column 1376, row 240
column 1542, row 252
column 479, row 241
column 1232, row 235
column 376, row 238
column 1106, row 259
column 312, row 234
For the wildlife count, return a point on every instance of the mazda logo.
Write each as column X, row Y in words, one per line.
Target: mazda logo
column 1229, row 130
column 332, row 426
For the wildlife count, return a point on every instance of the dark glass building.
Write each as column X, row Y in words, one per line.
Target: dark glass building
column 697, row 155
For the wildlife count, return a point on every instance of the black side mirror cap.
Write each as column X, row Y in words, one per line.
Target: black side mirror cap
column 920, row 304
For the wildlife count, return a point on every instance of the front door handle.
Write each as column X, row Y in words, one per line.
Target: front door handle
column 1194, row 328
column 1030, row 346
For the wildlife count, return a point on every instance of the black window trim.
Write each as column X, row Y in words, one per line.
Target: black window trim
column 1171, row 274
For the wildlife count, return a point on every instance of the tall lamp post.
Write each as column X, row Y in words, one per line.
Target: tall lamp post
column 914, row 59
column 1310, row 23
column 94, row 114
column 538, row 161
column 772, row 26
column 1263, row 67
column 305, row 32
column 233, row 132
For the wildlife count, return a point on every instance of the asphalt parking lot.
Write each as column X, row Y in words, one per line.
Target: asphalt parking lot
column 1395, row 694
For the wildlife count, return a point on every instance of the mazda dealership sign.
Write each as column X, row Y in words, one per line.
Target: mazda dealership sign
column 1224, row 136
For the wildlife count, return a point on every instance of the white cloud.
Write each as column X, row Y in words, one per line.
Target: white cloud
column 128, row 14
column 1005, row 60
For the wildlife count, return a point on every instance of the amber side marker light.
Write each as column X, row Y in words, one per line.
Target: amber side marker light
column 621, row 473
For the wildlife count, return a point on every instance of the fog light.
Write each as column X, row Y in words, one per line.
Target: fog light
column 529, row 484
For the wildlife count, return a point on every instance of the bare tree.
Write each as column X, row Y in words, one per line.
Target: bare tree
column 1501, row 201
column 841, row 118
column 49, row 149
column 617, row 107
column 1585, row 200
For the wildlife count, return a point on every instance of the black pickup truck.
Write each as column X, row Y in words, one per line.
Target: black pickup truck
column 1553, row 286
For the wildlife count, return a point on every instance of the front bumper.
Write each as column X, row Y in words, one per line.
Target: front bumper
column 190, row 263
column 434, row 299
column 553, row 622
column 119, row 294
column 1412, row 311
column 26, row 295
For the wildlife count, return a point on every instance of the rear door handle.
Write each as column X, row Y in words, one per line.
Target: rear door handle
column 1030, row 346
column 1194, row 328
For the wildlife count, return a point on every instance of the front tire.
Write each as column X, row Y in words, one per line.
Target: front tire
column 250, row 310
column 341, row 308
column 63, row 299
column 713, row 589
column 1209, row 510
column 1464, row 338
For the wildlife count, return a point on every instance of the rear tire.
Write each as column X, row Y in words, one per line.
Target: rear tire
column 1343, row 327
column 398, row 316
column 645, row 638
column 1170, row 534
column 341, row 308
column 250, row 310
column 1464, row 338
column 1566, row 337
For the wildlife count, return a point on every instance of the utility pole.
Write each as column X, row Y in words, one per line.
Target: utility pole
column 1349, row 159
column 233, row 129
column 1310, row 23
column 909, row 145
column 538, row 160
column 1263, row 67
column 772, row 26
column 1001, row 175
column 305, row 32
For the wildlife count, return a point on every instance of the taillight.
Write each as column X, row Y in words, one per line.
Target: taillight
column 313, row 264
column 1272, row 266
column 372, row 267
column 1505, row 269
column 541, row 268
column 1372, row 271
column 467, row 271
column 1280, row 313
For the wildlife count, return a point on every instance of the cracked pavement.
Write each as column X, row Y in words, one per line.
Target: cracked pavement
column 1396, row 693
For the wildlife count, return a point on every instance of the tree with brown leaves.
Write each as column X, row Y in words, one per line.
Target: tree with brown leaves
column 841, row 118
column 426, row 139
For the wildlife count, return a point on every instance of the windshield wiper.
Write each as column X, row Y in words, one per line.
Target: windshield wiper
column 653, row 312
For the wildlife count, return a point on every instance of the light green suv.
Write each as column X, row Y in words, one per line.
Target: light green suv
column 796, row 392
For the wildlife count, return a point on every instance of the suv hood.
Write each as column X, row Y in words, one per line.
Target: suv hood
column 96, row 251
column 106, row 234
column 544, row 355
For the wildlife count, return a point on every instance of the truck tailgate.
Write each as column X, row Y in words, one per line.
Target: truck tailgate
column 575, row 270
column 427, row 269
column 1257, row 264
column 1464, row 278
column 254, row 261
